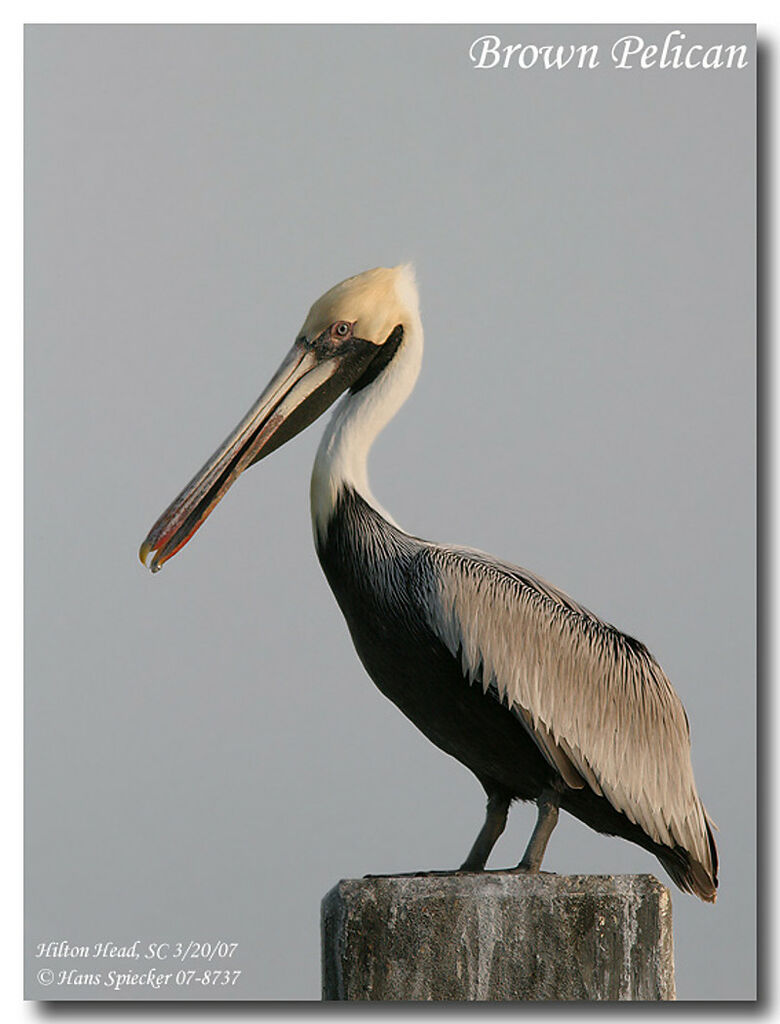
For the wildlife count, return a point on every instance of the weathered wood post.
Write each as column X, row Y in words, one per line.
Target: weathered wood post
column 498, row 936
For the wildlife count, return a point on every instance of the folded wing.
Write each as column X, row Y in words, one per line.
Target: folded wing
column 595, row 701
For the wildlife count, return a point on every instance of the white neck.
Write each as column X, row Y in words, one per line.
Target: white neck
column 353, row 427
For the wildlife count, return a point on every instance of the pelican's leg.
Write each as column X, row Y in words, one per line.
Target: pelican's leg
column 548, row 803
column 495, row 822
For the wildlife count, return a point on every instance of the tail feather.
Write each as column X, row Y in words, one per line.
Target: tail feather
column 689, row 874
column 685, row 870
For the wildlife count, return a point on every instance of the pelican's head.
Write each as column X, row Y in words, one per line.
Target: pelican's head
column 347, row 339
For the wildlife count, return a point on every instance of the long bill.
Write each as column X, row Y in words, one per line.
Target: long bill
column 302, row 388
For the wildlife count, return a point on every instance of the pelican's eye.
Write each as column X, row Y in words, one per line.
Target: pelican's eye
column 341, row 330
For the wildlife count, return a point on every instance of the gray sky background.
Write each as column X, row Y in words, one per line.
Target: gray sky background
column 205, row 755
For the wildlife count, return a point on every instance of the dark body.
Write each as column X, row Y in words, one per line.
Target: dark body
column 375, row 570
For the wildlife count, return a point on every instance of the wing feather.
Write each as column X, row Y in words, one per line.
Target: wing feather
column 595, row 701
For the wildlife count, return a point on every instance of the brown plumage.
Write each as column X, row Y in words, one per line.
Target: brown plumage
column 597, row 704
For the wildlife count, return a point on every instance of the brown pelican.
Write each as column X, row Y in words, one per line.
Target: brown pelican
column 540, row 698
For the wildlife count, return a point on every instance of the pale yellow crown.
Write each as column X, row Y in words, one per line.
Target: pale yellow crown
column 376, row 301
